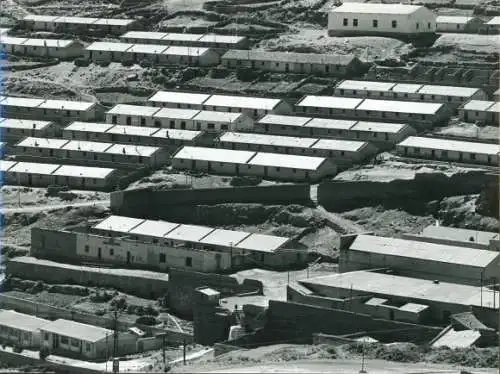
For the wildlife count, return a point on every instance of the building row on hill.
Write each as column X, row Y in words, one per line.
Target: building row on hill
column 13, row 130
column 249, row 163
column 36, row 174
column 60, row 48
column 162, row 245
column 69, row 24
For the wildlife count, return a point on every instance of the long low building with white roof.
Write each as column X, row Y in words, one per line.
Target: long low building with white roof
column 182, row 119
column 343, row 152
column 101, row 52
column 482, row 111
column 253, row 107
column 77, row 24
column 14, row 130
column 419, row 259
column 266, row 165
column 40, row 47
column 90, row 152
column 421, row 113
column 214, row 41
column 449, row 150
column 36, row 174
column 105, row 132
column 450, row 95
column 47, row 109
column 382, row 134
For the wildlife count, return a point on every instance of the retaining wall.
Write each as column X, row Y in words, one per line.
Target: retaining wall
column 150, row 203
column 345, row 195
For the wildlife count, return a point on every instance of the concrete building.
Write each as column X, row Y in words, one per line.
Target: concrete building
column 85, row 341
column 458, row 237
column 49, row 110
column 103, row 132
column 382, row 134
column 214, row 41
column 288, row 62
column 76, row 24
column 266, row 165
column 449, row 150
column 164, row 245
column 101, row 52
column 451, row 95
column 457, row 24
column 481, row 111
column 21, row 329
column 343, row 152
column 381, row 19
column 419, row 259
column 40, row 47
column 442, row 299
column 42, row 175
column 14, row 130
column 422, row 113
column 493, row 25
column 124, row 155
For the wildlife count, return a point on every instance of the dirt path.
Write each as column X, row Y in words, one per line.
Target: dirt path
column 35, row 209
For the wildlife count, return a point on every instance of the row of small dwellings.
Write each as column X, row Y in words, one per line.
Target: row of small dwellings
column 13, row 130
column 59, row 48
column 289, row 62
column 451, row 95
column 449, row 150
column 276, row 166
column 214, row 41
column 481, row 111
column 162, row 245
column 36, row 174
column 49, row 110
column 105, row 52
column 341, row 152
column 382, row 134
column 65, row 24
column 182, row 119
column 96, row 153
column 62, row 336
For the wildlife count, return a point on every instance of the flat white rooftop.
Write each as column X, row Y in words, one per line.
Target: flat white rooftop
column 182, row 37
column 262, row 243
column 333, row 124
column 82, row 20
column 272, row 140
column 40, row 18
column 143, row 35
column 35, row 142
column 88, row 127
column 21, row 101
column 83, row 172
column 287, row 161
column 494, row 21
column 450, row 145
column 5, row 39
column 109, row 46
column 191, row 233
column 242, row 102
column 51, row 43
column 211, row 115
column 179, row 97
column 133, row 110
column 132, row 150
column 154, row 228
column 175, row 113
column 420, row 290
column 330, row 102
column 25, row 124
column 21, row 321
column 448, row 90
column 177, row 134
column 424, row 251
column 6, row 165
column 214, row 155
column 185, row 51
column 120, row 224
column 461, row 235
column 76, row 330
column 114, row 21
column 339, row 145
column 34, row 168
column 87, row 146
column 276, row 119
column 392, row 128
column 454, row 19
column 227, row 238
column 478, row 105
column 132, row 130
column 365, row 85
column 147, row 49
column 67, row 105
column 406, row 87
column 227, row 39
column 370, row 8
column 395, row 106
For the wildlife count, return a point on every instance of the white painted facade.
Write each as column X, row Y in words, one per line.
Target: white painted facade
column 380, row 19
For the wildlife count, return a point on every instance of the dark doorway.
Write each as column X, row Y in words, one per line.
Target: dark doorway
column 128, row 258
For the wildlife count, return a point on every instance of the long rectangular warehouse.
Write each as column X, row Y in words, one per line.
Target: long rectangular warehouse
column 40, row 47
column 449, row 150
column 186, row 39
column 422, row 113
column 343, row 151
column 253, row 107
column 419, row 259
column 451, row 95
column 383, row 134
column 42, row 175
column 265, row 165
column 124, row 155
column 183, row 119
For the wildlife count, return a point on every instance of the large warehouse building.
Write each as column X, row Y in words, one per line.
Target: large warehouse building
column 420, row 259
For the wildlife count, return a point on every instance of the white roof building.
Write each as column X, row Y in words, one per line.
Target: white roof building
column 214, row 154
column 454, row 19
column 287, row 161
column 89, row 127
column 277, row 119
column 227, row 238
column 147, row 48
column 272, row 140
column 34, row 168
column 67, row 105
column 6, row 165
column 119, row 224
column 495, row 21
column 133, row 110
column 336, row 124
column 21, row 321
column 21, row 102
column 109, row 47
column 373, row 8
column 34, row 142
column 479, row 105
column 151, row 228
column 176, row 113
column 83, row 172
column 185, row 51
column 86, row 146
column 179, row 97
column 182, row 37
column 132, row 150
column 365, row 85
column 23, row 124
column 392, row 128
column 461, row 235
column 191, row 233
column 450, row 145
column 262, row 243
column 330, row 102
column 395, row 106
column 151, row 35
column 340, row 145
column 243, row 102
column 77, row 330
column 210, row 115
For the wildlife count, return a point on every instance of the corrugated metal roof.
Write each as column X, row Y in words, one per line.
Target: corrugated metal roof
column 214, row 155
column 182, row 37
column 174, row 113
column 448, row 90
column 340, row 145
column 132, row 150
column 143, row 35
column 450, row 145
column 289, row 57
column 177, row 134
column 147, row 48
column 225, row 238
column 154, row 228
column 185, row 51
column 132, row 130
column 406, row 87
